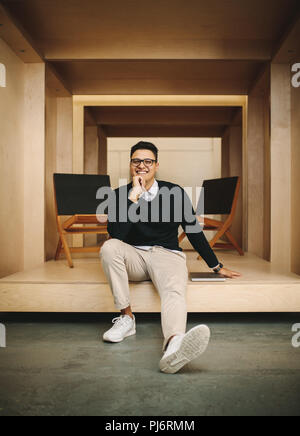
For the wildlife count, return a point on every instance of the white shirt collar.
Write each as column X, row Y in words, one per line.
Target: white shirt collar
column 151, row 194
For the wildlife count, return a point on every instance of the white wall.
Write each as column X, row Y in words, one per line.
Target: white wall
column 185, row 161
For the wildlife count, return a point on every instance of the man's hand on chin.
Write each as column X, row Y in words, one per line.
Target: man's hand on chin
column 230, row 274
column 138, row 187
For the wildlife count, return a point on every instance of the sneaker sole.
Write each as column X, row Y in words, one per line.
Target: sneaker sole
column 194, row 344
column 131, row 333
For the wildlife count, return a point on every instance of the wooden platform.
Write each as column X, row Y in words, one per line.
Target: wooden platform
column 53, row 287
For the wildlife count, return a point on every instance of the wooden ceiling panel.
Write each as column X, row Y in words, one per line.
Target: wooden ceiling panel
column 17, row 38
column 160, row 87
column 288, row 51
column 157, row 70
column 159, row 77
column 74, row 19
column 155, row 47
column 164, row 131
column 205, row 116
column 168, row 121
column 83, row 29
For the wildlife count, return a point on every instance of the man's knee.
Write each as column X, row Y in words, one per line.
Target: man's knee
column 110, row 248
column 175, row 293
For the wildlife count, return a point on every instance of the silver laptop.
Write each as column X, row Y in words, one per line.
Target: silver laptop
column 207, row 277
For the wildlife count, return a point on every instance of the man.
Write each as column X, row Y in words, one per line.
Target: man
column 143, row 248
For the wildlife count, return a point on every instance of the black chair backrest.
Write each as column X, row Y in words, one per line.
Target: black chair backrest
column 218, row 195
column 76, row 193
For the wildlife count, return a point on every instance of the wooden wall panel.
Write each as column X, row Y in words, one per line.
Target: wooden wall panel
column 255, row 175
column 91, row 150
column 259, row 221
column 295, row 206
column 58, row 149
column 51, row 237
column 232, row 165
column 281, row 165
column 34, row 165
column 102, row 155
column 11, row 163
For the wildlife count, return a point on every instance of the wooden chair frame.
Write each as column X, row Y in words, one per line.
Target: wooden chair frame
column 222, row 228
column 74, row 226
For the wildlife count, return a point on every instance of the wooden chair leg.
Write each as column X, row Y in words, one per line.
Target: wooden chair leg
column 67, row 250
column 181, row 237
column 58, row 250
column 215, row 239
column 217, row 236
column 234, row 243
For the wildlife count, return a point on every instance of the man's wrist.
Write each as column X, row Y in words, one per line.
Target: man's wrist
column 133, row 199
column 218, row 268
column 134, row 195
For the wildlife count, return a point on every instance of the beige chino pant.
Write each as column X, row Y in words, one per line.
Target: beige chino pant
column 122, row 263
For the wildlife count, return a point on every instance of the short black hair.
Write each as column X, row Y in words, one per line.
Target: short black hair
column 143, row 145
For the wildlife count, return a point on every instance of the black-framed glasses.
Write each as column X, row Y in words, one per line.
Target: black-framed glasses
column 146, row 162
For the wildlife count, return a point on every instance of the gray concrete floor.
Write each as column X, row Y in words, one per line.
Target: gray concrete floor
column 58, row 365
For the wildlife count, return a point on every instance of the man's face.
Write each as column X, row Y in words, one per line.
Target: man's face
column 146, row 171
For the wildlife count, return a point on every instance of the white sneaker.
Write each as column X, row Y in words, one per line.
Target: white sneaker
column 123, row 327
column 182, row 349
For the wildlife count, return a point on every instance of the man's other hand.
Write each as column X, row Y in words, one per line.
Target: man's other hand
column 230, row 274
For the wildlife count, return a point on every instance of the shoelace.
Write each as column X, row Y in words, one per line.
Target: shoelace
column 117, row 321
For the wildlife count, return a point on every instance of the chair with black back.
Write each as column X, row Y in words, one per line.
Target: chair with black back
column 219, row 197
column 75, row 197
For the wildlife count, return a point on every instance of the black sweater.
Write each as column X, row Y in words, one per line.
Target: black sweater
column 162, row 230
